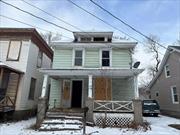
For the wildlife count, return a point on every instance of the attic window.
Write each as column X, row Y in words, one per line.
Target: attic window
column 85, row 39
column 99, row 39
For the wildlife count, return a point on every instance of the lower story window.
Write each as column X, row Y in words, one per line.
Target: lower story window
column 175, row 95
column 32, row 89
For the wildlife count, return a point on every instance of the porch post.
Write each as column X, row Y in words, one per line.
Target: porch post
column 44, row 87
column 1, row 76
column 136, row 91
column 90, row 87
column 90, row 100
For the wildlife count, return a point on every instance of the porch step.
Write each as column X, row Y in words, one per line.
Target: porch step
column 71, row 122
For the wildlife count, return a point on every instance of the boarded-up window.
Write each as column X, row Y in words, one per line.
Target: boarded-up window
column 66, row 89
column 32, row 88
column 103, row 89
column 14, row 50
column 39, row 59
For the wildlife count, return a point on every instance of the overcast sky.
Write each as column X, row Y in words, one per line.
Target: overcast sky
column 157, row 17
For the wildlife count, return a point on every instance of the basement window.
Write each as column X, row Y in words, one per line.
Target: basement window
column 14, row 50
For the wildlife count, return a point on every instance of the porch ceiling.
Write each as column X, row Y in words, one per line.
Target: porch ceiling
column 92, row 71
column 3, row 65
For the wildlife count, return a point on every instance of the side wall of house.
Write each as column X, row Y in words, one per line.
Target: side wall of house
column 23, row 103
column 163, row 86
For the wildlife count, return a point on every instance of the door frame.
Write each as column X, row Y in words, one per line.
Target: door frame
column 82, row 99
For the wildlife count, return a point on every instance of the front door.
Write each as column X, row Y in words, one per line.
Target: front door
column 76, row 94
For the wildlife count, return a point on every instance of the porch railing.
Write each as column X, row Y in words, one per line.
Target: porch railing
column 7, row 104
column 113, row 106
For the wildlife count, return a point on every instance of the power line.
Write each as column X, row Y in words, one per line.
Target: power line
column 127, row 24
column 102, row 20
column 36, row 16
column 31, row 25
column 52, row 15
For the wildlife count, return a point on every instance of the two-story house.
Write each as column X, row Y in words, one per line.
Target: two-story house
column 22, row 53
column 94, row 67
column 165, row 86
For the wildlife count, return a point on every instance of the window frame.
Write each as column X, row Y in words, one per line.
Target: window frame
column 39, row 66
column 9, row 46
column 172, row 95
column 157, row 93
column 29, row 96
column 110, row 58
column 167, row 76
column 73, row 59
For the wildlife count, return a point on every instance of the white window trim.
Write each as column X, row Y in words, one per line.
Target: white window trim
column 166, row 71
column 172, row 95
column 110, row 55
column 73, row 56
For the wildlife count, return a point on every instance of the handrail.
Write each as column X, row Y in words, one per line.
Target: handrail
column 113, row 106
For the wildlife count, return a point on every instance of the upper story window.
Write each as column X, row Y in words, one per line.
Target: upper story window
column 99, row 39
column 78, row 57
column 157, row 93
column 174, row 94
column 14, row 50
column 39, row 59
column 167, row 71
column 105, row 58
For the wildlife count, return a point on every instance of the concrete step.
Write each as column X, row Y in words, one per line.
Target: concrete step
column 62, row 121
column 65, row 113
column 63, row 117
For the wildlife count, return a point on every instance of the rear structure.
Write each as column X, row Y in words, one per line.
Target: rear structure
column 94, row 72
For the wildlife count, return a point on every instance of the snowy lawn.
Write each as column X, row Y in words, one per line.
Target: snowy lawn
column 159, row 126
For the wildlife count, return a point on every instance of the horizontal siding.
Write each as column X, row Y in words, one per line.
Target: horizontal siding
column 62, row 58
column 91, row 58
column 122, row 89
column 55, row 93
column 121, row 58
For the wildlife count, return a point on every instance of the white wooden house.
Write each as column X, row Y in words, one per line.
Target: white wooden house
column 22, row 53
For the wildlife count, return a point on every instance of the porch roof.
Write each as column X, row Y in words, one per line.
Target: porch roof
column 3, row 65
column 114, row 72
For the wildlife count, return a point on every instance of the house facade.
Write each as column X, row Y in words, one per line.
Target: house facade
column 165, row 86
column 22, row 53
column 92, row 67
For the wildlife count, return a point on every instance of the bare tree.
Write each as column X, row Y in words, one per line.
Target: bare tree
column 50, row 37
column 152, row 48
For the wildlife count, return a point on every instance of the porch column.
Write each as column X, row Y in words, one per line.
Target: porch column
column 44, row 87
column 136, row 91
column 90, row 87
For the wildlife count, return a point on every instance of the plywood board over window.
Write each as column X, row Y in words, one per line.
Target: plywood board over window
column 14, row 50
column 66, row 89
column 103, row 88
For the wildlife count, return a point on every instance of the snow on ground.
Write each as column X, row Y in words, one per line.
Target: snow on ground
column 159, row 126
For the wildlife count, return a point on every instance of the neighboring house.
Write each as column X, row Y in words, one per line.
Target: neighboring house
column 144, row 93
column 93, row 66
column 165, row 86
column 22, row 53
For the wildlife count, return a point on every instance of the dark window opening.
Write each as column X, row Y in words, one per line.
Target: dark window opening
column 99, row 39
column 105, row 59
column 32, row 89
column 85, row 39
column 109, row 39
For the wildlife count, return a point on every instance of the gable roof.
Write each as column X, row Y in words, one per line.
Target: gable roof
column 166, row 55
column 28, row 33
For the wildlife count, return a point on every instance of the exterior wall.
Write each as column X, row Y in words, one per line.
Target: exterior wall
column 63, row 58
column 55, row 93
column 22, row 63
column 121, row 58
column 122, row 89
column 22, row 102
column 163, row 85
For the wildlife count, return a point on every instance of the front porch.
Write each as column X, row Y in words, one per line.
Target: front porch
column 101, row 90
column 9, row 82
